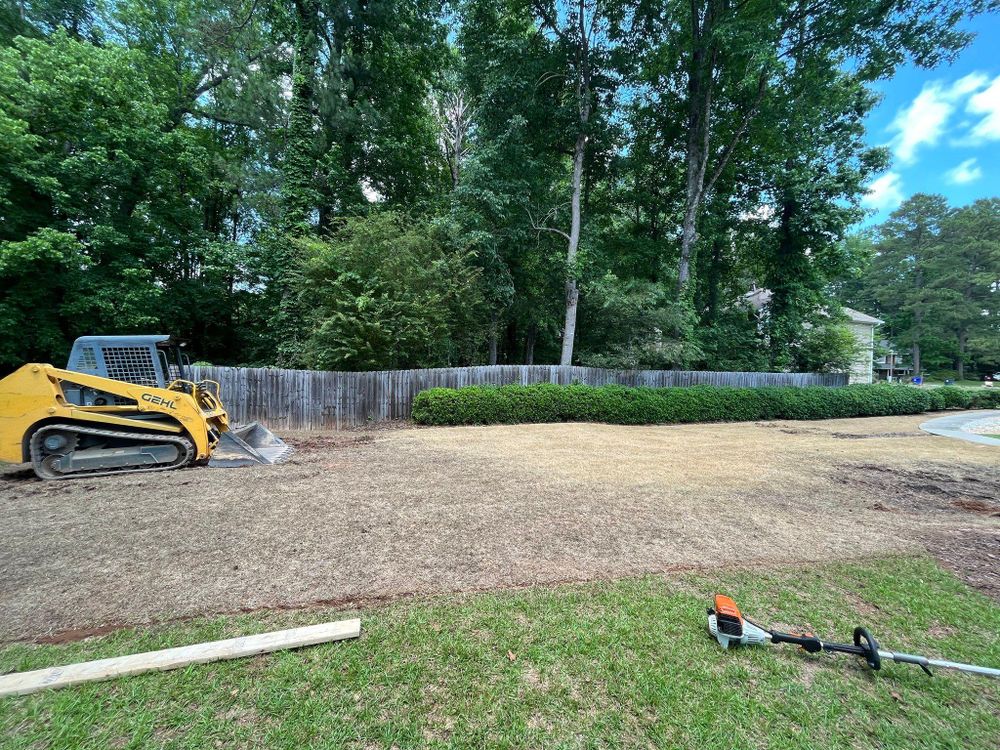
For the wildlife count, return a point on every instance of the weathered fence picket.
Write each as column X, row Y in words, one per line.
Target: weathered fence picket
column 307, row 399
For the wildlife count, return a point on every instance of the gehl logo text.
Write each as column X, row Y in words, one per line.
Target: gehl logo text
column 158, row 400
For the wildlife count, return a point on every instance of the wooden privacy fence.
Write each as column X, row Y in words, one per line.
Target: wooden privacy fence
column 313, row 399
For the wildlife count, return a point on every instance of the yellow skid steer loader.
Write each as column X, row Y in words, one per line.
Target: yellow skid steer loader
column 122, row 405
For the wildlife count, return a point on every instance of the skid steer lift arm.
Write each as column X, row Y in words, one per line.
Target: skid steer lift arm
column 728, row 626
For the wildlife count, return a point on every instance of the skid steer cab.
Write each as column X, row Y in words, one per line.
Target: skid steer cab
column 123, row 404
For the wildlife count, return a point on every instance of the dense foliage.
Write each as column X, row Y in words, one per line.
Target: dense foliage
column 391, row 293
column 386, row 183
column 614, row 404
column 934, row 279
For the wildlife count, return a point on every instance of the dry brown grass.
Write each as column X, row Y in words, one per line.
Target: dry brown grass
column 394, row 512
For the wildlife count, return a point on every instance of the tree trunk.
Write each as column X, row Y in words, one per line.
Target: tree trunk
column 714, row 292
column 699, row 112
column 781, row 321
column 493, row 338
column 300, row 195
column 962, row 336
column 529, row 347
column 579, row 154
column 918, row 320
column 453, row 115
column 701, row 72
column 572, row 291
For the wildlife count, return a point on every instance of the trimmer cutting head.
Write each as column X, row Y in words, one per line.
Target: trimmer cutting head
column 727, row 625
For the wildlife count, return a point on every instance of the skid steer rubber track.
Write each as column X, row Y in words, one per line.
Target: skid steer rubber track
column 143, row 445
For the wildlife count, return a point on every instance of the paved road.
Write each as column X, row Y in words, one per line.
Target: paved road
column 951, row 426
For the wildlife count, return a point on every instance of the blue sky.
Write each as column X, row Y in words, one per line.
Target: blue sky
column 943, row 126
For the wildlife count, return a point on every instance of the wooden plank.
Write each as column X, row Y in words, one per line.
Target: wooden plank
column 23, row 683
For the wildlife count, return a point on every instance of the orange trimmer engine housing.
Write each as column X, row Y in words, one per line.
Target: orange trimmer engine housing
column 728, row 617
column 728, row 626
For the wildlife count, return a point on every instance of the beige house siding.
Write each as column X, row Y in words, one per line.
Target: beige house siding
column 861, row 368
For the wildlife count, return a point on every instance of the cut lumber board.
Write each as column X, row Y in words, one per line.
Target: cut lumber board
column 23, row 683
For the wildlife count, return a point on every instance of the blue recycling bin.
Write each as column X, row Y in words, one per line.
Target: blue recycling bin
column 917, row 380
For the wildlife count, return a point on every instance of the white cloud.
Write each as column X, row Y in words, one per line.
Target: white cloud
column 968, row 84
column 885, row 193
column 967, row 171
column 762, row 212
column 986, row 103
column 924, row 120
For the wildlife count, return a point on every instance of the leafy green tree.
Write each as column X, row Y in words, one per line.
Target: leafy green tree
column 585, row 26
column 632, row 324
column 212, row 168
column 13, row 23
column 374, row 67
column 49, row 294
column 829, row 347
column 514, row 175
column 543, row 78
column 75, row 17
column 733, row 342
column 720, row 61
column 86, row 182
column 301, row 193
column 389, row 292
column 94, row 155
column 933, row 278
column 817, row 182
column 908, row 246
column 966, row 277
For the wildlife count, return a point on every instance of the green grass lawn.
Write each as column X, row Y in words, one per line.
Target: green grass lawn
column 957, row 383
column 605, row 665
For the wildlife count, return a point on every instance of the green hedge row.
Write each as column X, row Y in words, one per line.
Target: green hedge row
column 512, row 404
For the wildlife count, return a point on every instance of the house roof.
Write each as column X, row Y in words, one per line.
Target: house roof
column 758, row 298
column 860, row 317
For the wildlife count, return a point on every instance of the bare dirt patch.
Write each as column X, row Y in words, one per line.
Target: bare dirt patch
column 366, row 516
column 928, row 487
column 971, row 554
column 862, row 436
column 807, row 429
column 307, row 443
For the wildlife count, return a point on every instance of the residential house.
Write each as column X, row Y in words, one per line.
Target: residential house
column 863, row 327
column 890, row 365
column 860, row 324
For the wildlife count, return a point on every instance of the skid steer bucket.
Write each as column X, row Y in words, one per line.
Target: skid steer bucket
column 249, row 445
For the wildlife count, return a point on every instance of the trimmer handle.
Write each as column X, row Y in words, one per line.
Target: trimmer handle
column 866, row 641
column 810, row 643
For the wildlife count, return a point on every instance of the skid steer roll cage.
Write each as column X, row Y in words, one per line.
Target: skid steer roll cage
column 154, row 360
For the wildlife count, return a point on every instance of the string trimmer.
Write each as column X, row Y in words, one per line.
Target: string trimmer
column 728, row 626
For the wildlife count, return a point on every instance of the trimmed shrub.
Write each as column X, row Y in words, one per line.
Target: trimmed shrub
column 985, row 398
column 614, row 404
